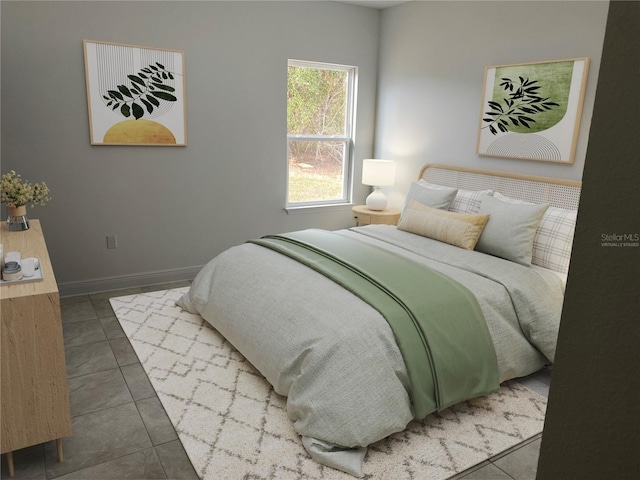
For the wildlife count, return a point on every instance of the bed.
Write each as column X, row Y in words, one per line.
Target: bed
column 366, row 328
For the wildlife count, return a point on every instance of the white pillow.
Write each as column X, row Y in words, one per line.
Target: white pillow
column 468, row 201
column 554, row 237
column 510, row 230
column 434, row 186
column 434, row 196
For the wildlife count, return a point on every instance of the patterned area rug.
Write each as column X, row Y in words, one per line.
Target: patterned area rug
column 234, row 426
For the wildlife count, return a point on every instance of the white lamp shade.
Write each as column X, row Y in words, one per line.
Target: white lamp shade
column 378, row 173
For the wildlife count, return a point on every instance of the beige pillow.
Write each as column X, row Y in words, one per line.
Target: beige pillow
column 459, row 229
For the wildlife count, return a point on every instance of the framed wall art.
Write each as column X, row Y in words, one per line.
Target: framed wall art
column 532, row 110
column 135, row 95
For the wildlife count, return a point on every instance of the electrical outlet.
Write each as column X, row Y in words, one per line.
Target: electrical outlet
column 112, row 241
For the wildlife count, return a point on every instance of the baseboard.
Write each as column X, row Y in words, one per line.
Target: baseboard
column 68, row 289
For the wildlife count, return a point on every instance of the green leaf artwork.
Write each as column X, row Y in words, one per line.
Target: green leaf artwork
column 144, row 93
column 528, row 99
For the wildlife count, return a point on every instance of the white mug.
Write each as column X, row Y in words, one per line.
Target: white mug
column 28, row 267
column 36, row 262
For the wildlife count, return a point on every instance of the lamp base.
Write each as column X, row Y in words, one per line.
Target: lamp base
column 376, row 200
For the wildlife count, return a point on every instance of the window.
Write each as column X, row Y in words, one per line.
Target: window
column 320, row 104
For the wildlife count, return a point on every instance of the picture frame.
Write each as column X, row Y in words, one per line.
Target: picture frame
column 532, row 111
column 135, row 94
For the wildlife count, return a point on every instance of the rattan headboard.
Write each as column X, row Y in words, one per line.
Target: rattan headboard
column 554, row 191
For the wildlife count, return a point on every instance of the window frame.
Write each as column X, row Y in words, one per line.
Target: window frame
column 348, row 138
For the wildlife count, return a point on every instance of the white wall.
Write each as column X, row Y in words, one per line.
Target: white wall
column 432, row 60
column 172, row 208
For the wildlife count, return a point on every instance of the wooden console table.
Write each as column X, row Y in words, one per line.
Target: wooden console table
column 35, row 395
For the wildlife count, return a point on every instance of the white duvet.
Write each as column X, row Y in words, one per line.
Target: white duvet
column 334, row 357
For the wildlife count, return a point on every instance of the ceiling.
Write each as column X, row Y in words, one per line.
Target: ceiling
column 380, row 4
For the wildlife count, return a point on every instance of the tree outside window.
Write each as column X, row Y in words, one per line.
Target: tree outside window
column 319, row 132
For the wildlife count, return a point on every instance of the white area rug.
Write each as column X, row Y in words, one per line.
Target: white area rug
column 234, row 426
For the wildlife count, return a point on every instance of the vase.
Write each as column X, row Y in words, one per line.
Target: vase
column 17, row 218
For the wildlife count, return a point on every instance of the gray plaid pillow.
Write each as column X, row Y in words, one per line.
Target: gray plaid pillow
column 468, row 201
column 554, row 236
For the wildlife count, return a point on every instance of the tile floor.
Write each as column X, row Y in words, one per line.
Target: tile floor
column 120, row 429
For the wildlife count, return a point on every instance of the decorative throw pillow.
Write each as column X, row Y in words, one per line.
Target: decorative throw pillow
column 459, row 229
column 554, row 236
column 468, row 201
column 554, row 239
column 510, row 230
column 435, row 196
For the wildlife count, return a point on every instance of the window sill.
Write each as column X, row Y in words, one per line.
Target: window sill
column 318, row 208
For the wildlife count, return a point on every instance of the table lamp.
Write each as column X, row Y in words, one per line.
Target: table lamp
column 378, row 173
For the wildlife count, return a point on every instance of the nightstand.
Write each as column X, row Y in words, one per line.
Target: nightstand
column 364, row 216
